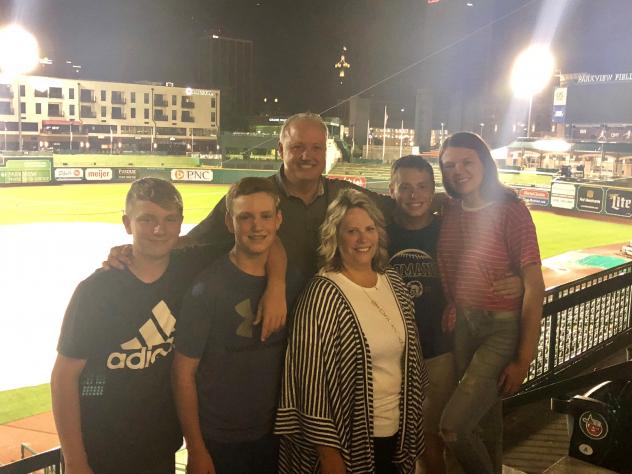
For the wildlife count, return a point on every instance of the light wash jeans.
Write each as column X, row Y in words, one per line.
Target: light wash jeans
column 484, row 343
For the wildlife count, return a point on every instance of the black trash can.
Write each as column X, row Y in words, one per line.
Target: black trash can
column 600, row 425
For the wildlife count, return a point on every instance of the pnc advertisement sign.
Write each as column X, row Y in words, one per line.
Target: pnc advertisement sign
column 619, row 202
column 357, row 180
column 198, row 175
column 589, row 199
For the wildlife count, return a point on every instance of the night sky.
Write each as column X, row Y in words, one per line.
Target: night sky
column 297, row 42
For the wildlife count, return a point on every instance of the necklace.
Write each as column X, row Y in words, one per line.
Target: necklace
column 385, row 316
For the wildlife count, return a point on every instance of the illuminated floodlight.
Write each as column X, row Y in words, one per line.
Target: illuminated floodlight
column 532, row 71
column 188, row 91
column 19, row 51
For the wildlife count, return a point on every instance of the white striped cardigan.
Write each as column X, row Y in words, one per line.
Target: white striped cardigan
column 327, row 393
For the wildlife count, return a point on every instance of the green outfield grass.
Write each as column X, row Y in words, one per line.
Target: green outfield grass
column 23, row 402
column 104, row 203
column 92, row 202
column 526, row 179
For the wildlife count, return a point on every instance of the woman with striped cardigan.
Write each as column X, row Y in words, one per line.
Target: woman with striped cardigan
column 354, row 375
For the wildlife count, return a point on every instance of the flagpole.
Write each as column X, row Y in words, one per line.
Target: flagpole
column 368, row 133
column 384, row 134
column 401, row 138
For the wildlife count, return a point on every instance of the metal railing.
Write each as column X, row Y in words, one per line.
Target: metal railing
column 50, row 461
column 583, row 320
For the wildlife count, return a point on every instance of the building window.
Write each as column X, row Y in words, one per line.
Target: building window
column 212, row 102
column 133, row 97
column 103, row 95
column 174, row 100
column 146, row 114
column 38, row 108
column 71, row 93
column 22, row 90
column 72, row 109
column 132, row 112
column 23, row 107
column 103, row 111
column 146, row 98
column 212, row 117
column 174, row 115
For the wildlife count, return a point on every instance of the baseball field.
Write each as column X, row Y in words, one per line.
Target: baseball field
column 51, row 237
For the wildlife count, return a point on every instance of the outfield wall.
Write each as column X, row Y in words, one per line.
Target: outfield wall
column 591, row 198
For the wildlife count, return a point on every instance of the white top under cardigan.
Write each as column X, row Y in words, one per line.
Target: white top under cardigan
column 385, row 346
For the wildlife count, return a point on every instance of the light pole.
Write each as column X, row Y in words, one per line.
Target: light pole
column 401, row 133
column 482, row 124
column 442, row 133
column 531, row 72
column 19, row 54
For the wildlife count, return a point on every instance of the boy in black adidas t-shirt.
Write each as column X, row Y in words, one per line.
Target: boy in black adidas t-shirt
column 111, row 386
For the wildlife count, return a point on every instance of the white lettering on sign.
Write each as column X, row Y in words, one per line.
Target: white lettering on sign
column 593, row 78
column 98, row 174
column 192, row 175
column 201, row 92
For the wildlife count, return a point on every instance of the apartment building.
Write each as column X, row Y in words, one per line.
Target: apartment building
column 107, row 117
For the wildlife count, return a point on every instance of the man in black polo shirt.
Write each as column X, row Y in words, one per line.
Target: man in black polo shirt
column 305, row 194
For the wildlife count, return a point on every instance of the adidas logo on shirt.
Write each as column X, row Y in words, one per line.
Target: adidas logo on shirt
column 155, row 340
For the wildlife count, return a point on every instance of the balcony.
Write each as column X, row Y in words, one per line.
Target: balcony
column 86, row 111
column 187, row 118
column 187, row 104
column 87, row 96
column 55, row 113
column 118, row 99
column 55, row 93
column 5, row 92
column 118, row 116
column 160, row 102
column 160, row 117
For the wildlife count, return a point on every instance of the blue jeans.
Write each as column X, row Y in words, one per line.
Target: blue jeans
column 471, row 424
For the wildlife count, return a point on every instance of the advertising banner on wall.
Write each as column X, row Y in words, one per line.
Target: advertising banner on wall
column 563, row 195
column 99, row 174
column 194, row 175
column 357, row 180
column 619, row 202
column 26, row 171
column 535, row 197
column 590, row 199
column 68, row 174
column 125, row 174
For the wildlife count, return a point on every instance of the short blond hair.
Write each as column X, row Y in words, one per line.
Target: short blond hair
column 328, row 252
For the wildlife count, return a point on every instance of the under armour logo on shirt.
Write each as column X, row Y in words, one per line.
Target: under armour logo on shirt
column 244, row 310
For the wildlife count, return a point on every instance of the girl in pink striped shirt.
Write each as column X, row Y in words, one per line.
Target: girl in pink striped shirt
column 487, row 233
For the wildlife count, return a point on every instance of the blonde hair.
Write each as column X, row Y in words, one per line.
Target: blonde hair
column 347, row 199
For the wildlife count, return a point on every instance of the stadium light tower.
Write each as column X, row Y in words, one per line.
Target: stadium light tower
column 532, row 70
column 19, row 54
